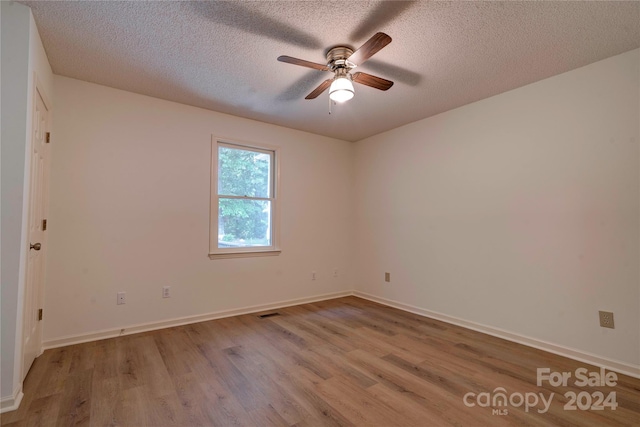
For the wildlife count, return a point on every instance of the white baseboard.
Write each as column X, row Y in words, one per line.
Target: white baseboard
column 11, row 403
column 581, row 356
column 144, row 327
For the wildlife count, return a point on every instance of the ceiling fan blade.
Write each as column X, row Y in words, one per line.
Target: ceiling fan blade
column 317, row 91
column 371, row 46
column 302, row 62
column 373, row 81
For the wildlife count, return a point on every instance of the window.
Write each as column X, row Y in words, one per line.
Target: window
column 243, row 200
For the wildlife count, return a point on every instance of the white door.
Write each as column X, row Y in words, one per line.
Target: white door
column 32, row 328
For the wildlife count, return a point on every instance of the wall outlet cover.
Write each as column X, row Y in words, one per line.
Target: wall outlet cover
column 606, row 319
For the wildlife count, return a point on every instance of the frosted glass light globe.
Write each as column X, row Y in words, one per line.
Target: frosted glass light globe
column 341, row 90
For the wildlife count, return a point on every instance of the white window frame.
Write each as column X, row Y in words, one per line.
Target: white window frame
column 220, row 253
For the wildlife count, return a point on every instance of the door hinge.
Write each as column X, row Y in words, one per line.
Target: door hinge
column 40, row 314
column 48, row 137
column 44, row 224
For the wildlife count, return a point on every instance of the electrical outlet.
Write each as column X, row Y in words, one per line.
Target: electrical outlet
column 313, row 275
column 166, row 292
column 121, row 298
column 606, row 319
column 387, row 277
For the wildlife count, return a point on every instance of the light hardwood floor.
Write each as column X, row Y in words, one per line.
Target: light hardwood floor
column 346, row 362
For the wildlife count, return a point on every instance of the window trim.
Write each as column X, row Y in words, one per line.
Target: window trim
column 222, row 253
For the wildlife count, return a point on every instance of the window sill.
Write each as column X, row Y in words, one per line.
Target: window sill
column 247, row 254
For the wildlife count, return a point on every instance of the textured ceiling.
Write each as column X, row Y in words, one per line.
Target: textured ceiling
column 222, row 55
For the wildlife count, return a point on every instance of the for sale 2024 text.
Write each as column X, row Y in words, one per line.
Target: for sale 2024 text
column 582, row 377
column 584, row 400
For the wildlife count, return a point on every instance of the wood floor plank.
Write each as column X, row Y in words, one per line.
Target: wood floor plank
column 339, row 365
column 306, row 316
column 283, row 346
column 385, row 344
column 105, row 397
column 303, row 387
column 105, row 365
column 252, row 363
column 171, row 344
column 163, row 411
column 57, row 372
column 267, row 415
column 130, row 409
column 360, row 407
column 130, row 362
column 340, row 327
column 190, row 398
column 32, row 381
column 155, row 374
column 44, row 411
column 75, row 407
column 221, row 406
column 341, row 362
column 437, row 400
column 82, row 357
column 415, row 412
column 240, row 386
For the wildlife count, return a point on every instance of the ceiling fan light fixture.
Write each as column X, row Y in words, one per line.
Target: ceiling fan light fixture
column 341, row 89
column 341, row 60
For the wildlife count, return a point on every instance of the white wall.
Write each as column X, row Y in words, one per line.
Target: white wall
column 22, row 56
column 519, row 212
column 130, row 212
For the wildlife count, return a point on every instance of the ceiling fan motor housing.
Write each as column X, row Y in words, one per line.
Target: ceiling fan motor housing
column 337, row 58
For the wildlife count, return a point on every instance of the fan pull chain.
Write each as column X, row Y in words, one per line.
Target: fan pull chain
column 329, row 105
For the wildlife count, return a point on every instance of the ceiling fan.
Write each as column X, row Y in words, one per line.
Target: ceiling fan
column 340, row 61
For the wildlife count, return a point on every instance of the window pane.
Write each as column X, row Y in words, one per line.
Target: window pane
column 243, row 172
column 243, row 223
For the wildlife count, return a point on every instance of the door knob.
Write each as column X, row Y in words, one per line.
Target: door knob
column 36, row 246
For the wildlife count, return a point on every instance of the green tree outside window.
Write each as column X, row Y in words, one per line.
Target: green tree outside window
column 244, row 190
